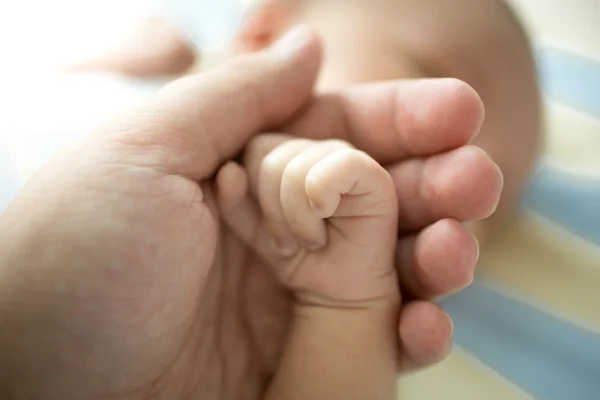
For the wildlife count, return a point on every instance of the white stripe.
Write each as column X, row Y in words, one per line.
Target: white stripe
column 572, row 139
column 567, row 24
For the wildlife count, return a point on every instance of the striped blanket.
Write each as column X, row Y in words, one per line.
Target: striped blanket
column 529, row 327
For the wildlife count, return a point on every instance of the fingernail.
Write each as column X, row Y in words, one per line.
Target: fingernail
column 294, row 39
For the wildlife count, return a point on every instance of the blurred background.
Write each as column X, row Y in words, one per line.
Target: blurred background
column 42, row 41
column 42, row 35
column 529, row 327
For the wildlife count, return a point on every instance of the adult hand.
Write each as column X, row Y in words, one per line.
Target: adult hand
column 117, row 281
column 420, row 129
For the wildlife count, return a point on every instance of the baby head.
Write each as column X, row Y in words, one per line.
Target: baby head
column 369, row 40
column 480, row 42
column 360, row 36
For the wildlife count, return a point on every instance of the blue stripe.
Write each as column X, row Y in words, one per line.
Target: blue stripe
column 545, row 356
column 571, row 80
column 569, row 200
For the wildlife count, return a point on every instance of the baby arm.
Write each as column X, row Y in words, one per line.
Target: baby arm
column 154, row 47
column 339, row 208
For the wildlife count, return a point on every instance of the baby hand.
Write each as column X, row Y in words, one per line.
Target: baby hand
column 325, row 217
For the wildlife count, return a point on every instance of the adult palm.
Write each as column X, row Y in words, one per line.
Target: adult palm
column 118, row 280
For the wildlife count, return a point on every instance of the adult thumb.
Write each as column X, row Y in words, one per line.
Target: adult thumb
column 196, row 123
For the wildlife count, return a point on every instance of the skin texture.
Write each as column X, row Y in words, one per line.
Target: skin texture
column 118, row 280
column 340, row 206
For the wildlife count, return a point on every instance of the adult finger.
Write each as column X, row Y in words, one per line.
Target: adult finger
column 462, row 184
column 193, row 125
column 396, row 120
column 438, row 261
column 425, row 335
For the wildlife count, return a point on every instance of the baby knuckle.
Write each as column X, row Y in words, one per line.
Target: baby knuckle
column 352, row 156
column 272, row 164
